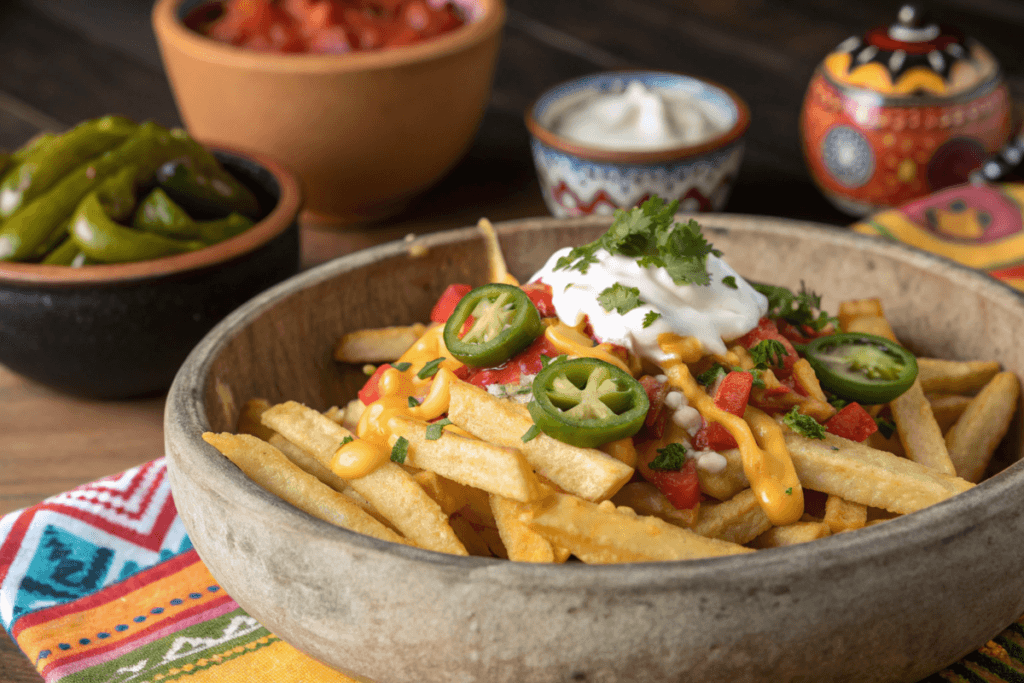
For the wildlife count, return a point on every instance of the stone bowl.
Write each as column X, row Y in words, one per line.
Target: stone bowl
column 892, row 602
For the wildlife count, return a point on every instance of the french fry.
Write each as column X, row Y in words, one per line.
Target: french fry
column 645, row 499
column 858, row 308
column 861, row 474
column 842, row 515
column 737, row 520
column 955, row 377
column 974, row 437
column 389, row 489
column 249, row 419
column 947, row 409
column 600, row 534
column 587, row 472
column 791, row 534
column 522, row 543
column 497, row 270
column 269, row 468
column 494, row 469
column 377, row 345
column 307, row 463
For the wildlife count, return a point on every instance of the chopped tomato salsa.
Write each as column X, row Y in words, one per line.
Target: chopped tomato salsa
column 323, row 26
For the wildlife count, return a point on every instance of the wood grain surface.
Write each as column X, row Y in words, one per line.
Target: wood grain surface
column 67, row 60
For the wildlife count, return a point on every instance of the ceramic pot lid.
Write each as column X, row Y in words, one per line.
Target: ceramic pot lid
column 911, row 58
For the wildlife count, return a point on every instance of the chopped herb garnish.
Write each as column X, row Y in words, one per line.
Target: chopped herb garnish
column 347, row 439
column 650, row 234
column 532, row 433
column 545, row 360
column 711, row 375
column 768, row 352
column 835, row 448
column 789, row 491
column 650, row 318
column 837, row 403
column 430, row 369
column 435, row 430
column 401, row 367
column 805, row 425
column 413, row 401
column 620, row 299
column 799, row 309
column 758, row 378
column 730, row 282
column 885, row 427
column 400, row 450
column 671, row 457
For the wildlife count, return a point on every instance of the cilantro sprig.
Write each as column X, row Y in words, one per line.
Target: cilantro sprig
column 619, row 298
column 650, row 234
column 671, row 457
column 799, row 309
column 804, row 425
column 768, row 353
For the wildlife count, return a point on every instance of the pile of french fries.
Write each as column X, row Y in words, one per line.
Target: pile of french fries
column 482, row 489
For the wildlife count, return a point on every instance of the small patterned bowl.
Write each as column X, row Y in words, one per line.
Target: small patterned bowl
column 578, row 180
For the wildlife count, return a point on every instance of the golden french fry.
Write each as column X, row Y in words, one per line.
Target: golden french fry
column 389, row 489
column 269, row 468
column 600, row 534
column 947, row 409
column 497, row 270
column 587, row 472
column 377, row 345
column 975, row 436
column 522, row 543
column 738, row 520
column 249, row 419
column 858, row 308
column 791, row 534
column 494, row 469
column 842, row 515
column 955, row 377
column 645, row 499
column 861, row 474
column 307, row 463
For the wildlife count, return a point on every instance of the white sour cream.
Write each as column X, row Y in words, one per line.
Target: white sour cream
column 711, row 313
column 638, row 119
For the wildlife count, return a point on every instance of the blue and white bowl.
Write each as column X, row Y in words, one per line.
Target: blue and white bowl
column 579, row 180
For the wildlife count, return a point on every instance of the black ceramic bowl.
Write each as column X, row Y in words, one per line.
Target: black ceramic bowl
column 116, row 331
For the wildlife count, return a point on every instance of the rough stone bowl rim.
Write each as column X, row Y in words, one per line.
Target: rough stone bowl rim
column 184, row 421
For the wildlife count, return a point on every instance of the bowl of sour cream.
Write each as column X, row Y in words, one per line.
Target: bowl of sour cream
column 613, row 139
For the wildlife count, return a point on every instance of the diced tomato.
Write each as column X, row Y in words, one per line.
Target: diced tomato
column 540, row 295
column 526, row 362
column 371, row 390
column 766, row 329
column 682, row 488
column 450, row 298
column 801, row 334
column 654, row 423
column 732, row 396
column 852, row 422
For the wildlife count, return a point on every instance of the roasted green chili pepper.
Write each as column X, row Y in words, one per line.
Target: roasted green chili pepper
column 158, row 213
column 219, row 230
column 103, row 240
column 34, row 143
column 504, row 322
column 587, row 402
column 57, row 157
column 205, row 191
column 64, row 254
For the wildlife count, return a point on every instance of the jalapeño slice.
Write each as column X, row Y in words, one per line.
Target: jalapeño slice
column 504, row 322
column 861, row 367
column 587, row 402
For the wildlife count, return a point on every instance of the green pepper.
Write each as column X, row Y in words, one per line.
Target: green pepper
column 57, row 157
column 34, row 143
column 861, row 367
column 219, row 230
column 63, row 254
column 587, row 402
column 205, row 190
column 158, row 213
column 103, row 240
column 117, row 192
column 504, row 322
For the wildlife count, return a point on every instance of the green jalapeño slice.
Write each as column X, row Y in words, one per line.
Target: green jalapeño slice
column 861, row 367
column 502, row 321
column 587, row 402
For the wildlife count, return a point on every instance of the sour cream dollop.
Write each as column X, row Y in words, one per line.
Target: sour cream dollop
column 711, row 313
column 638, row 119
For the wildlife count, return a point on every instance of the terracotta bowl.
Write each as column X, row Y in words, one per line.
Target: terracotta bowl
column 579, row 180
column 366, row 131
column 121, row 330
column 893, row 602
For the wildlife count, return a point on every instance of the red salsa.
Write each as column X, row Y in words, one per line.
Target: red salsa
column 323, row 26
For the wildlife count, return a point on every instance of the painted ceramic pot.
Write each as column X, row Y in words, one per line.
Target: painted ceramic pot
column 901, row 112
column 580, row 180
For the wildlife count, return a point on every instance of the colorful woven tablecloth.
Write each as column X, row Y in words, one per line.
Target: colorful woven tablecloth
column 101, row 585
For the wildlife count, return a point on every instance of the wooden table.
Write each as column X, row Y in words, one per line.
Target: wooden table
column 68, row 60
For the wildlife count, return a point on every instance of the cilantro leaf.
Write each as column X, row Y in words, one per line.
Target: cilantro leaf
column 885, row 427
column 799, row 309
column 650, row 318
column 400, row 450
column 671, row 457
column 401, row 367
column 619, row 298
column 435, row 429
column 430, row 368
column 768, row 352
column 711, row 375
column 347, row 439
column 730, row 282
column 805, row 425
column 532, row 433
column 413, row 401
column 789, row 491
